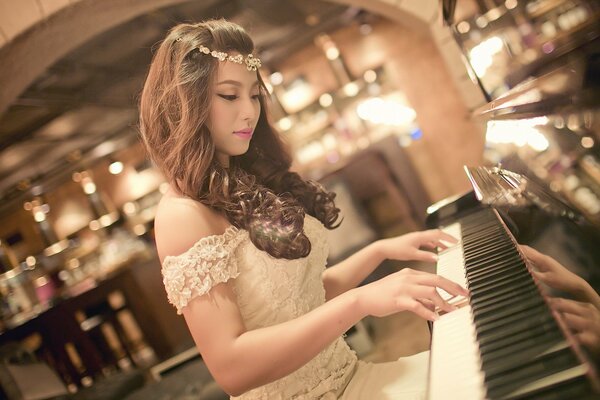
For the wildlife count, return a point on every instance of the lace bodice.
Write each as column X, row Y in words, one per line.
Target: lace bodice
column 269, row 291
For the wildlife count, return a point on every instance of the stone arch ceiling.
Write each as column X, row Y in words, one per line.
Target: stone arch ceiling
column 37, row 33
column 39, row 42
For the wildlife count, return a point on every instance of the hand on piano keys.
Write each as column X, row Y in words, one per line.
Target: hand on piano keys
column 409, row 247
column 506, row 343
column 407, row 290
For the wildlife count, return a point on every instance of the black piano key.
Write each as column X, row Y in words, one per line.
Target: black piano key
column 480, row 249
column 491, row 244
column 520, row 348
column 485, row 288
column 491, row 344
column 515, row 303
column 512, row 289
column 482, row 271
column 506, row 296
column 490, row 279
column 578, row 388
column 484, row 263
column 525, row 323
column 495, row 320
column 529, row 372
column 511, row 359
column 518, row 290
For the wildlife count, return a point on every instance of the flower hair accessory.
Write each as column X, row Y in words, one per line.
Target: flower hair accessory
column 252, row 63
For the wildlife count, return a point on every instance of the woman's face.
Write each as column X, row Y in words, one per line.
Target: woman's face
column 234, row 110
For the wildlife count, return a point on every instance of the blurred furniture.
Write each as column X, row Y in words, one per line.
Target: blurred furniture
column 24, row 377
column 102, row 316
column 140, row 284
column 386, row 187
column 184, row 376
column 63, row 332
column 60, row 331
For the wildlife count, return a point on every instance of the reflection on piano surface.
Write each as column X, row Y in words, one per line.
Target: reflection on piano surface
column 543, row 121
column 506, row 343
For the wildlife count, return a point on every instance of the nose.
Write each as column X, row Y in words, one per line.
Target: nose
column 250, row 109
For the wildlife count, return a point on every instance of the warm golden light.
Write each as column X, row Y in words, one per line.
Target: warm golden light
column 518, row 132
column 587, row 142
column 332, row 53
column 370, row 76
column 351, row 89
column 325, row 100
column 115, row 167
column 284, row 123
column 276, row 78
column 129, row 208
column 30, row 261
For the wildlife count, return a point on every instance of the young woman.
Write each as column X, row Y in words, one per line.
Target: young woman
column 242, row 239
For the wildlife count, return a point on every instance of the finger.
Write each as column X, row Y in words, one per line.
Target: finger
column 576, row 322
column 427, row 256
column 427, row 303
column 590, row 340
column 435, row 235
column 443, row 283
column 443, row 245
column 430, row 293
column 439, row 244
column 569, row 306
column 429, row 245
column 418, row 308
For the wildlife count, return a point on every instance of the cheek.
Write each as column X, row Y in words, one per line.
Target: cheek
column 218, row 118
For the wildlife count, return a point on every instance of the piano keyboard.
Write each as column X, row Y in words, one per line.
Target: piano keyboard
column 506, row 343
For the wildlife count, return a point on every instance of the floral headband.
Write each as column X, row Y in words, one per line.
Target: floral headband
column 252, row 63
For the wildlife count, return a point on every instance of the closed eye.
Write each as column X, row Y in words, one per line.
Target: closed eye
column 228, row 97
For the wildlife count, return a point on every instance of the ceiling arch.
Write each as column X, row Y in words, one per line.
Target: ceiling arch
column 50, row 33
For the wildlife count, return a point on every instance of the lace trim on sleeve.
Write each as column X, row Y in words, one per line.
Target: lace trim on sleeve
column 207, row 263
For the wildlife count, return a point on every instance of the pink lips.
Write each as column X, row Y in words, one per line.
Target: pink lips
column 244, row 133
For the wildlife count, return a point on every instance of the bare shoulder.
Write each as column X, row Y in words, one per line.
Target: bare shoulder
column 180, row 222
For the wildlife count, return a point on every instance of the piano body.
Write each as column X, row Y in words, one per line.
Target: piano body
column 543, row 127
column 504, row 342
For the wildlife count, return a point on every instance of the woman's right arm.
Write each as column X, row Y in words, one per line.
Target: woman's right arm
column 241, row 359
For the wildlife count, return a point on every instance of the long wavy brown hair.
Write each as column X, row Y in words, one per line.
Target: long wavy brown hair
column 257, row 192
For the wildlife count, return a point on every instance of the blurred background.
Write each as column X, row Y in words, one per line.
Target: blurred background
column 381, row 101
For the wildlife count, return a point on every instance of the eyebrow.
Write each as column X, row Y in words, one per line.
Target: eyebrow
column 235, row 83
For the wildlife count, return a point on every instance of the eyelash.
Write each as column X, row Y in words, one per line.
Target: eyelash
column 232, row 97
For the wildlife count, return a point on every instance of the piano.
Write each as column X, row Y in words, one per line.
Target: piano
column 504, row 341
column 542, row 112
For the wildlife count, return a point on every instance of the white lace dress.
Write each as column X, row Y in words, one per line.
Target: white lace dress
column 271, row 291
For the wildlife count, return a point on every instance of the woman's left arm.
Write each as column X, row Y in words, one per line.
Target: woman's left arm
column 352, row 271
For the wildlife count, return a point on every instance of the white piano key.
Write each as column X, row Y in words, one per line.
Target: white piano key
column 455, row 371
column 450, row 264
